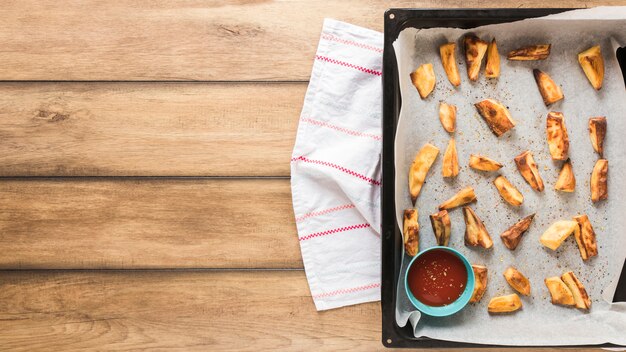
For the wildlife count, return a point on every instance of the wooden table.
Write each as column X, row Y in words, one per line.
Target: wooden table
column 144, row 156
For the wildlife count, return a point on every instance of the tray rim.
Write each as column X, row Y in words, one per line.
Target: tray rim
column 392, row 335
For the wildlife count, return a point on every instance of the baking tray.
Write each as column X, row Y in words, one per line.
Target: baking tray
column 395, row 21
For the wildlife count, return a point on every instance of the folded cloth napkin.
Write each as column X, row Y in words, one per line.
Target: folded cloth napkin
column 335, row 171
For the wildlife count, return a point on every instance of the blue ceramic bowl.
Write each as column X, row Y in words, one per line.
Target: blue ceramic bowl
column 453, row 307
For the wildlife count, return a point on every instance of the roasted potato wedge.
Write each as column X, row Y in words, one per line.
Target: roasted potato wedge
column 559, row 292
column 496, row 115
column 597, row 132
column 512, row 237
column 483, row 163
column 464, row 196
column 550, row 91
column 558, row 140
column 581, row 298
column 447, row 116
column 586, row 237
column 505, row 304
column 480, row 273
column 566, row 181
column 592, row 62
column 529, row 171
column 517, row 280
column 424, row 80
column 532, row 52
column 475, row 50
column 508, row 192
column 419, row 169
column 492, row 68
column 410, row 231
column 442, row 227
column 448, row 60
column 450, row 167
column 475, row 232
column 557, row 233
column 599, row 186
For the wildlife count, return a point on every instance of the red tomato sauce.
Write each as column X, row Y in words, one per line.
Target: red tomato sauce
column 437, row 278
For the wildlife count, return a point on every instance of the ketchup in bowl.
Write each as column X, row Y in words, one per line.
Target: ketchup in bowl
column 437, row 278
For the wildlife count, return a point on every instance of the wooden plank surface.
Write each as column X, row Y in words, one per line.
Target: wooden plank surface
column 192, row 310
column 148, row 129
column 185, row 39
column 147, row 223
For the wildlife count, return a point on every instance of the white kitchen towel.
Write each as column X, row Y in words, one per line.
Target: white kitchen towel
column 335, row 171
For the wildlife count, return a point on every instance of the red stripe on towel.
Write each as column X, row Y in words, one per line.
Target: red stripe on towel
column 341, row 129
column 347, row 290
column 323, row 212
column 338, row 167
column 331, row 37
column 333, row 231
column 347, row 64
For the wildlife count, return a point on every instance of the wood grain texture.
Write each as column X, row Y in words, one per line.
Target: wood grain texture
column 199, row 311
column 185, row 39
column 159, row 223
column 148, row 129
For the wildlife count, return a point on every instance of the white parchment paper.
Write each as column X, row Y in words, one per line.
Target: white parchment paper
column 539, row 322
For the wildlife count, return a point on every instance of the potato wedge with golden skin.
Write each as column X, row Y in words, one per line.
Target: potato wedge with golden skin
column 517, row 281
column 592, row 63
column 496, row 115
column 504, row 304
column 464, row 196
column 581, row 298
column 513, row 235
column 483, row 163
column 566, row 181
column 424, row 80
column 550, row 91
column 475, row 50
column 597, row 132
column 410, row 230
column 419, row 169
column 529, row 53
column 448, row 60
column 450, row 167
column 480, row 286
column 599, row 187
column 508, row 192
column 558, row 140
column 559, row 292
column 492, row 68
column 528, row 169
column 442, row 227
column 557, row 233
column 475, row 232
column 447, row 116
column 586, row 237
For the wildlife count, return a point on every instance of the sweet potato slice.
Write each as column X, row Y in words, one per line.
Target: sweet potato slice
column 586, row 237
column 496, row 115
column 558, row 140
column 411, row 232
column 513, row 235
column 442, row 227
column 475, row 232
column 483, row 163
column 597, row 132
column 528, row 169
column 559, row 292
column 581, row 298
column 448, row 60
column 447, row 116
column 492, row 68
column 419, row 169
column 450, row 167
column 424, row 80
column 550, row 91
column 592, row 63
column 480, row 286
column 598, row 184
column 508, row 192
column 517, row 280
column 529, row 53
column 504, row 304
column 464, row 196
column 475, row 50
column 557, row 233
column 566, row 181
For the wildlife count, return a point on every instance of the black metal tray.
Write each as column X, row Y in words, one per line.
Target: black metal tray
column 395, row 21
